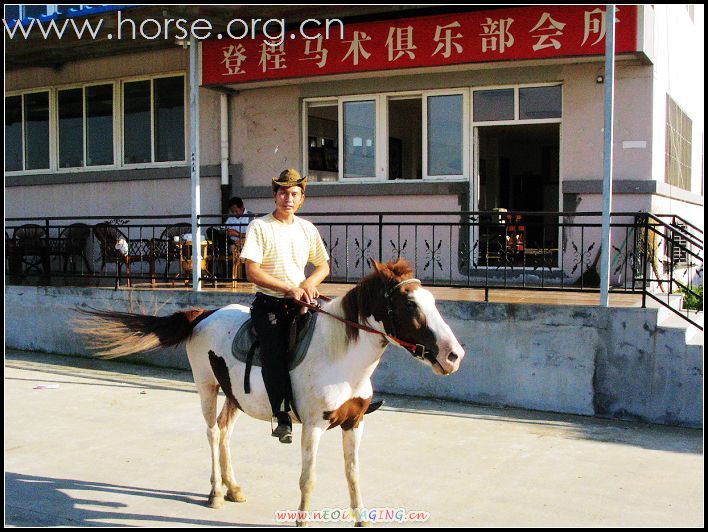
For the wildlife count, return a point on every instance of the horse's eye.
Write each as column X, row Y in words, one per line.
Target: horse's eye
column 411, row 304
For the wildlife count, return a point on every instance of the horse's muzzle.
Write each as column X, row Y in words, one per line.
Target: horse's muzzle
column 449, row 357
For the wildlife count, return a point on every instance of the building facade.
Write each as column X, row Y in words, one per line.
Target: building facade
column 410, row 110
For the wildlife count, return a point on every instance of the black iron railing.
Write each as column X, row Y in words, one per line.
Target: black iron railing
column 653, row 255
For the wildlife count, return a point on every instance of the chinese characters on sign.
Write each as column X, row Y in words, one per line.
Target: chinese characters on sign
column 494, row 35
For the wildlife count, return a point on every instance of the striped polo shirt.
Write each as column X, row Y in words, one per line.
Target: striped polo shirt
column 283, row 250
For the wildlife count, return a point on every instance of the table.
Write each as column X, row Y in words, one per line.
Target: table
column 185, row 257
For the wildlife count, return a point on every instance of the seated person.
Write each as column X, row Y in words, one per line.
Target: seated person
column 237, row 222
column 233, row 233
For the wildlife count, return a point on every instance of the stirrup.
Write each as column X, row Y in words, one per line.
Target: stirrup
column 373, row 407
column 284, row 430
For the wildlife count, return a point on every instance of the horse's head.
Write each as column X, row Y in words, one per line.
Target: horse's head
column 408, row 312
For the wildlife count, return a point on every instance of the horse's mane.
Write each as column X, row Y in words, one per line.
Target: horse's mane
column 366, row 298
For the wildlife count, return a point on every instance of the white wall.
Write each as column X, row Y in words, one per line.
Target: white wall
column 679, row 72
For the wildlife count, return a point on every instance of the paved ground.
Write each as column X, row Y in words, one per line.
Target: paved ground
column 114, row 444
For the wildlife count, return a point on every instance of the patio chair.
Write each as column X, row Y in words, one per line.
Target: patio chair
column 30, row 249
column 116, row 248
column 72, row 243
column 166, row 248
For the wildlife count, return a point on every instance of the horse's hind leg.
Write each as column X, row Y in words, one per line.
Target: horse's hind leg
column 351, row 439
column 227, row 418
column 208, row 393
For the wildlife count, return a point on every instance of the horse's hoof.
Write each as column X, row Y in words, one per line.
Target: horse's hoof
column 235, row 496
column 216, row 501
column 366, row 524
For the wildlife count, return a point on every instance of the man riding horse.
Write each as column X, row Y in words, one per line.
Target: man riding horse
column 277, row 249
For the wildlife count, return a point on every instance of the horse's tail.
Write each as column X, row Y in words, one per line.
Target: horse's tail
column 115, row 334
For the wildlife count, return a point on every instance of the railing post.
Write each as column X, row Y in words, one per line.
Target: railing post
column 381, row 238
column 646, row 261
column 47, row 258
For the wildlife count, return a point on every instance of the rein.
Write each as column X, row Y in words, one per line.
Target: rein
column 417, row 350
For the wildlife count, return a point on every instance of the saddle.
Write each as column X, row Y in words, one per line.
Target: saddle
column 246, row 347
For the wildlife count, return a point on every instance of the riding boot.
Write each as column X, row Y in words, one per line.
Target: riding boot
column 284, row 430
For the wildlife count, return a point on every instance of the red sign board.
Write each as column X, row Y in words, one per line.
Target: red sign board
column 535, row 32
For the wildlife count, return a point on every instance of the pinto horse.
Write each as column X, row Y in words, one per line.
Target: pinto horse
column 332, row 385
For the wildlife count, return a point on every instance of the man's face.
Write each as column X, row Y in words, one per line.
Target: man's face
column 288, row 199
column 237, row 211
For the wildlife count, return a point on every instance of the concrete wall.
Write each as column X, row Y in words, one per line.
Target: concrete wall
column 582, row 360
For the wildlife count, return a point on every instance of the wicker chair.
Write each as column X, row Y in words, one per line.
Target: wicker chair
column 72, row 243
column 166, row 249
column 30, row 249
column 124, row 253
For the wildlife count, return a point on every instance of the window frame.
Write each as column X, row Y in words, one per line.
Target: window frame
column 85, row 167
column 52, row 133
column 153, row 163
column 117, row 121
column 516, row 120
column 382, row 129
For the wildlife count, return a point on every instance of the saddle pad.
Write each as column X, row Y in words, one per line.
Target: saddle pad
column 246, row 335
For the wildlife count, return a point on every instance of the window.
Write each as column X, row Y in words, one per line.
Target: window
column 85, row 126
column 71, row 128
column 542, row 102
column 678, row 146
column 445, row 135
column 360, row 139
column 405, row 138
column 13, row 133
column 323, row 135
column 539, row 102
column 80, row 128
column 493, row 105
column 36, row 130
column 153, row 120
column 99, row 125
column 387, row 136
column 169, row 119
column 137, row 146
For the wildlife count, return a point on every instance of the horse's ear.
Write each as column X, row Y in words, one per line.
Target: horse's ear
column 378, row 267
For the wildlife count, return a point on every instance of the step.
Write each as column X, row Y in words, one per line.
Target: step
column 672, row 300
column 693, row 335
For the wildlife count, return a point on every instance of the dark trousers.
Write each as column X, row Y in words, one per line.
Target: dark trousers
column 274, row 321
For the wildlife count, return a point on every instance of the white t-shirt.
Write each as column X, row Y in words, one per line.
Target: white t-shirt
column 283, row 250
column 239, row 223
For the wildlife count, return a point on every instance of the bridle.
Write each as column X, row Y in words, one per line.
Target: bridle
column 417, row 350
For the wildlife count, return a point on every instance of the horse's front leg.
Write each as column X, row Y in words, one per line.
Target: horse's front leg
column 310, row 442
column 351, row 439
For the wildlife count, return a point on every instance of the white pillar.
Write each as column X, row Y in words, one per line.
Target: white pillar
column 194, row 79
column 607, row 154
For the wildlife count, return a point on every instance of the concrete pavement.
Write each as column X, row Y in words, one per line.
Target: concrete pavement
column 116, row 444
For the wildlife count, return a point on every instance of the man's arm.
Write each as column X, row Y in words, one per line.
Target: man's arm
column 314, row 280
column 257, row 276
column 307, row 292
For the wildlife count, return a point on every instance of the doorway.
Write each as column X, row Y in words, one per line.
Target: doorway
column 518, row 176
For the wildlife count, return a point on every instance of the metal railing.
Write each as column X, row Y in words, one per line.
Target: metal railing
column 653, row 255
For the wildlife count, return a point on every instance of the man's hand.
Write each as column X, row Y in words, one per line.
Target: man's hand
column 311, row 291
column 298, row 294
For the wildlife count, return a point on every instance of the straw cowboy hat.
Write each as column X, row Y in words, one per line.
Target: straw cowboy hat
column 290, row 178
